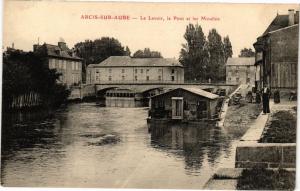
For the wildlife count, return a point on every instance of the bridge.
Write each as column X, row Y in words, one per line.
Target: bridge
column 88, row 90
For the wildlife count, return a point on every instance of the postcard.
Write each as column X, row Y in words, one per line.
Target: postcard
column 149, row 95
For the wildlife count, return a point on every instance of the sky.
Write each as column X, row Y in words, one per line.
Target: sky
column 27, row 22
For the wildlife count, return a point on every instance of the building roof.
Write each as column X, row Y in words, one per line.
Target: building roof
column 280, row 21
column 196, row 91
column 56, row 51
column 241, row 61
column 117, row 61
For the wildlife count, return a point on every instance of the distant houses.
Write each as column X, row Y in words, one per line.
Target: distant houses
column 240, row 70
column 64, row 60
column 125, row 69
column 277, row 53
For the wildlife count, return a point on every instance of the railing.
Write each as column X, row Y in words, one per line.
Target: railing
column 139, row 82
column 160, row 82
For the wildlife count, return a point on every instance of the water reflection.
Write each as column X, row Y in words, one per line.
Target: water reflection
column 192, row 141
column 84, row 145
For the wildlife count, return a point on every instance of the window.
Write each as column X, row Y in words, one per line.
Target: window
column 135, row 78
column 56, row 63
column 142, row 71
column 60, row 64
column 123, row 77
column 77, row 65
column 97, row 71
column 159, row 78
column 172, row 78
column 109, row 70
column 147, row 78
column 248, row 80
column 123, row 70
column 173, row 71
column 147, row 70
column 135, row 70
column 65, row 65
column 109, row 78
column 237, row 79
column 51, row 64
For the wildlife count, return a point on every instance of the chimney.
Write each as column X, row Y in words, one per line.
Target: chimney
column 62, row 45
column 36, row 47
column 297, row 17
column 291, row 17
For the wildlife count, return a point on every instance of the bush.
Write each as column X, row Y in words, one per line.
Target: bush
column 265, row 179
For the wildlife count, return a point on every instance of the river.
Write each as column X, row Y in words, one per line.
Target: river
column 84, row 145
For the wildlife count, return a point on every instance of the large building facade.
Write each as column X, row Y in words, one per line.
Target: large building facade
column 124, row 69
column 64, row 60
column 277, row 53
column 240, row 70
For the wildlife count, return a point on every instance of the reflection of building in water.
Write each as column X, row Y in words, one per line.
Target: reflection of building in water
column 193, row 142
column 122, row 98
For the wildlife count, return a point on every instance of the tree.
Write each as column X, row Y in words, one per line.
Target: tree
column 27, row 72
column 94, row 52
column 216, row 68
column 245, row 52
column 227, row 48
column 147, row 53
column 194, row 53
column 127, row 51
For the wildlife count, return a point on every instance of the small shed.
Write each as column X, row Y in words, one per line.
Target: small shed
column 190, row 104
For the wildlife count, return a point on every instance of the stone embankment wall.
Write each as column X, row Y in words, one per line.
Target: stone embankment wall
column 251, row 153
column 266, row 155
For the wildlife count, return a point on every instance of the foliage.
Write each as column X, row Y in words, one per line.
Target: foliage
column 281, row 129
column 27, row 72
column 194, row 54
column 265, row 179
column 245, row 52
column 94, row 52
column 216, row 67
column 147, row 53
column 203, row 58
column 227, row 48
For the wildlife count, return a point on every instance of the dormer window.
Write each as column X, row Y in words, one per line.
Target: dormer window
column 57, row 51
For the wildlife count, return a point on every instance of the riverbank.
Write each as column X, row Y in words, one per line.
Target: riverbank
column 240, row 117
column 265, row 159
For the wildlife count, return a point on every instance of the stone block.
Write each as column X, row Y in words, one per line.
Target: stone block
column 259, row 154
column 288, row 165
column 247, row 164
column 289, row 154
column 274, row 165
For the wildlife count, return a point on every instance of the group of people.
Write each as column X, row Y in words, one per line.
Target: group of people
column 266, row 93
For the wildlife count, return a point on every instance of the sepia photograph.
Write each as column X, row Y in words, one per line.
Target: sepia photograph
column 149, row 95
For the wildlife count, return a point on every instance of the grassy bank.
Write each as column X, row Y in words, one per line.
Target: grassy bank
column 281, row 128
column 266, row 179
column 239, row 117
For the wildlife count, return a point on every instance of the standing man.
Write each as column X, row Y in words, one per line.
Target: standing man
column 266, row 99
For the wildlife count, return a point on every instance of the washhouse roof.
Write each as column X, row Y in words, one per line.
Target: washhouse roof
column 196, row 91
